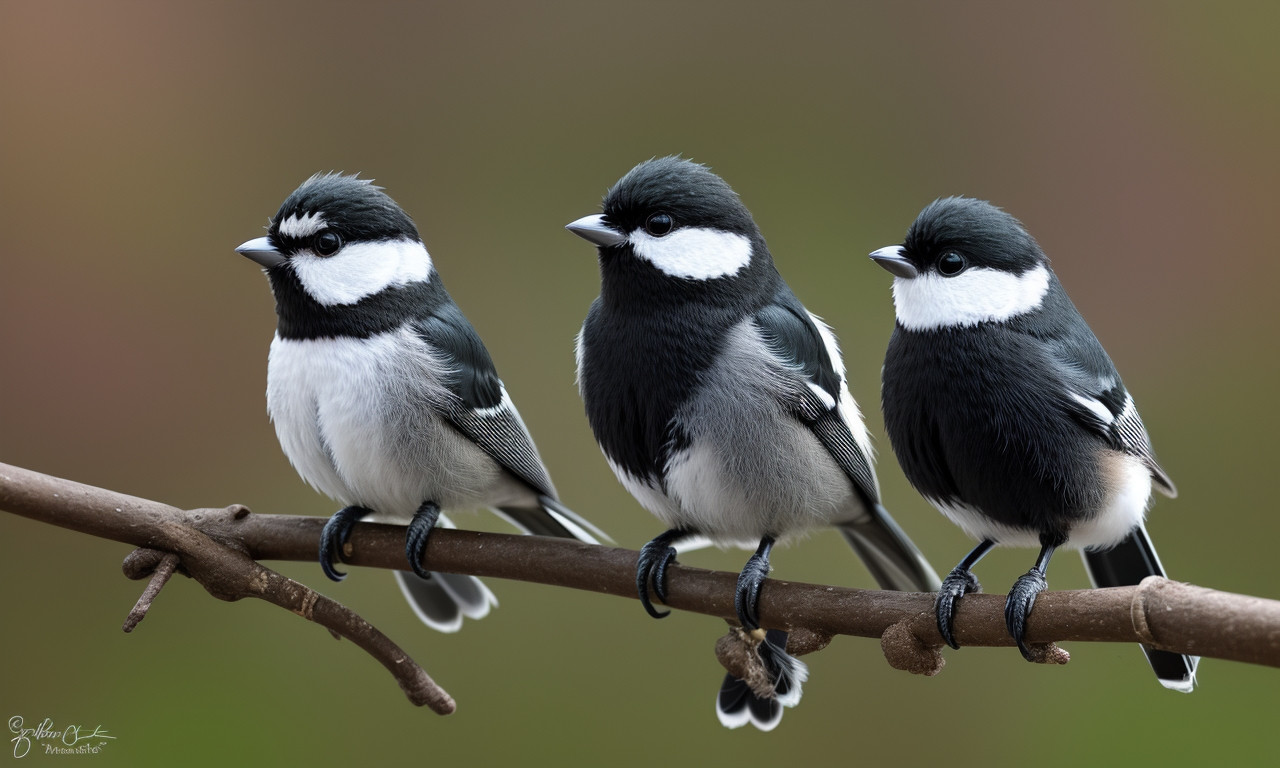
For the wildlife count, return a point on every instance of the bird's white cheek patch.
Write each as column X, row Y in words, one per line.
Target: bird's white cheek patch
column 978, row 295
column 302, row 226
column 361, row 269
column 694, row 253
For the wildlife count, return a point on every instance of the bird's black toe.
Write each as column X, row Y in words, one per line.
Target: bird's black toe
column 958, row 583
column 651, row 568
column 1019, row 604
column 415, row 542
column 746, row 599
column 334, row 537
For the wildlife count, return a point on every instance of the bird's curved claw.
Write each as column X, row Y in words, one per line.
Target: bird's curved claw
column 746, row 598
column 651, row 567
column 1017, row 608
column 958, row 583
column 415, row 541
column 333, row 537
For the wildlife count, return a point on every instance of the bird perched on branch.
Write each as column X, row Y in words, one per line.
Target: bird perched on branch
column 721, row 403
column 1007, row 414
column 382, row 394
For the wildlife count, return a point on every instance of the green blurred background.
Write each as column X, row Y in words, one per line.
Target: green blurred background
column 141, row 142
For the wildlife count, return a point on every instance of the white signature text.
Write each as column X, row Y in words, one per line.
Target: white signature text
column 70, row 740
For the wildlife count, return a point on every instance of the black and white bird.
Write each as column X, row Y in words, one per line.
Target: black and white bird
column 382, row 394
column 1006, row 413
column 721, row 403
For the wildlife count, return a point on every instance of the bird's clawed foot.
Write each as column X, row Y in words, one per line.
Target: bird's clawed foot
column 1023, row 595
column 1018, row 606
column 958, row 583
column 651, row 568
column 415, row 542
column 334, row 537
column 746, row 598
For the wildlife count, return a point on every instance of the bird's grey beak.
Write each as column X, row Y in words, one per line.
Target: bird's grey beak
column 593, row 229
column 260, row 250
column 892, row 259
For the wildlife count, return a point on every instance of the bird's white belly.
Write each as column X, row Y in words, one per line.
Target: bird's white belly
column 1128, row 483
column 1128, row 492
column 358, row 420
column 738, row 492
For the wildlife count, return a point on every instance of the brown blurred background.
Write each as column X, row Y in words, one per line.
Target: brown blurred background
column 141, row 142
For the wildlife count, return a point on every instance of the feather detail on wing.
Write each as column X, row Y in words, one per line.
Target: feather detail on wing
column 481, row 408
column 500, row 432
column 820, row 397
column 821, row 401
column 1100, row 403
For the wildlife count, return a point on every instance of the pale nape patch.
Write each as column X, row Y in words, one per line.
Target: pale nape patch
column 361, row 269
column 694, row 253
column 302, row 226
column 978, row 295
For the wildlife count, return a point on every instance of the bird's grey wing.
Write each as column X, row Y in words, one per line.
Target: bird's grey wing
column 479, row 406
column 793, row 335
column 1098, row 400
column 482, row 411
column 794, row 338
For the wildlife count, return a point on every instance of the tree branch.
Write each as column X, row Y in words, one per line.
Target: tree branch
column 137, row 565
column 221, row 564
column 219, row 547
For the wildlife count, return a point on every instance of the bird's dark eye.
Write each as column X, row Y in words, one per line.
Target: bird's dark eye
column 659, row 224
column 951, row 264
column 326, row 243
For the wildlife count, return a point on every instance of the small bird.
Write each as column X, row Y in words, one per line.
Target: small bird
column 1006, row 413
column 721, row 403
column 382, row 394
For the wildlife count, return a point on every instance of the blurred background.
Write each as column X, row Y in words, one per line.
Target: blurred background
column 140, row 142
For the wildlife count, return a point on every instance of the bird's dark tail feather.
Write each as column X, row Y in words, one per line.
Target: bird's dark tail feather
column 894, row 561
column 1126, row 564
column 738, row 705
column 552, row 518
column 444, row 599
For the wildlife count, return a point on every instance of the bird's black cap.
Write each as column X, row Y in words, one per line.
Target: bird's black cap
column 354, row 208
column 985, row 235
column 687, row 191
